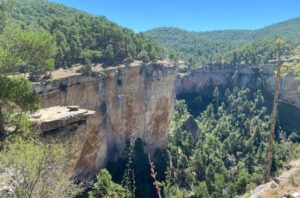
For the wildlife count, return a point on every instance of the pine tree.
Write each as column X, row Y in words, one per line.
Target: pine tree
column 200, row 191
column 106, row 188
column 216, row 95
column 210, row 178
column 109, row 53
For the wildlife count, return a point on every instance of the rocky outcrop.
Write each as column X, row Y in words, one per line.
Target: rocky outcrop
column 196, row 81
column 190, row 125
column 67, row 126
column 130, row 102
column 56, row 117
column 286, row 185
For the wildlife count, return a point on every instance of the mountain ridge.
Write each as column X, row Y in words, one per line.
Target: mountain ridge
column 251, row 32
column 230, row 46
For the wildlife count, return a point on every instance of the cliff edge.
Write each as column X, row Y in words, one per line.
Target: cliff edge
column 129, row 101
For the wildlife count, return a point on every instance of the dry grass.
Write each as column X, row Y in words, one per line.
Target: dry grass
column 63, row 73
column 292, row 186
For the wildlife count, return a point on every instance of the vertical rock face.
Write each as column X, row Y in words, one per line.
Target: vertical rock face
column 223, row 75
column 130, row 102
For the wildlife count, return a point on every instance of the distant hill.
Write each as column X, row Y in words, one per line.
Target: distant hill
column 226, row 45
column 289, row 29
column 82, row 37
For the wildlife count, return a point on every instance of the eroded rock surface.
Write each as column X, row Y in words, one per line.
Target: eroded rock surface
column 190, row 125
column 130, row 102
column 196, row 81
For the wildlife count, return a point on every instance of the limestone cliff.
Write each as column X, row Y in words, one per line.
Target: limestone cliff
column 197, row 80
column 130, row 102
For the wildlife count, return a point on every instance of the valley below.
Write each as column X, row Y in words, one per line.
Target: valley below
column 92, row 109
column 115, row 94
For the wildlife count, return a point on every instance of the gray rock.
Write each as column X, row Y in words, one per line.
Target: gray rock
column 190, row 125
column 274, row 184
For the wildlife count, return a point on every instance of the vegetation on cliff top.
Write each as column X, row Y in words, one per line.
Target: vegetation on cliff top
column 224, row 157
column 83, row 38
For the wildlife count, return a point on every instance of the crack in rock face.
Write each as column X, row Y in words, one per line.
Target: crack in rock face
column 129, row 103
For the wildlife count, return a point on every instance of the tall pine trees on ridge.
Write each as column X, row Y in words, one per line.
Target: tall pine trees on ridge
column 80, row 36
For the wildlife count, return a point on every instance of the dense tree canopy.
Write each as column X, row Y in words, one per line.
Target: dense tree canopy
column 228, row 46
column 227, row 157
column 80, row 36
column 30, row 51
column 5, row 8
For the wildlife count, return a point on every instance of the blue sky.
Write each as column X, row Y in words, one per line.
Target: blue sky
column 196, row 15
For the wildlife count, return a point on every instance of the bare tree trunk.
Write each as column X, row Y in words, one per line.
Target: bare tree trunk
column 268, row 164
column 153, row 175
column 2, row 129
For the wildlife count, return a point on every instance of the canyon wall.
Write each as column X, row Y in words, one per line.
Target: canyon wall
column 137, row 101
column 197, row 80
column 129, row 102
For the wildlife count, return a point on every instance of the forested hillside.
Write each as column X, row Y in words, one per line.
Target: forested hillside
column 231, row 46
column 82, row 37
column 289, row 29
column 221, row 153
column 220, row 143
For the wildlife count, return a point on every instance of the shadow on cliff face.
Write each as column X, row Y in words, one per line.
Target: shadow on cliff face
column 198, row 102
column 286, row 114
